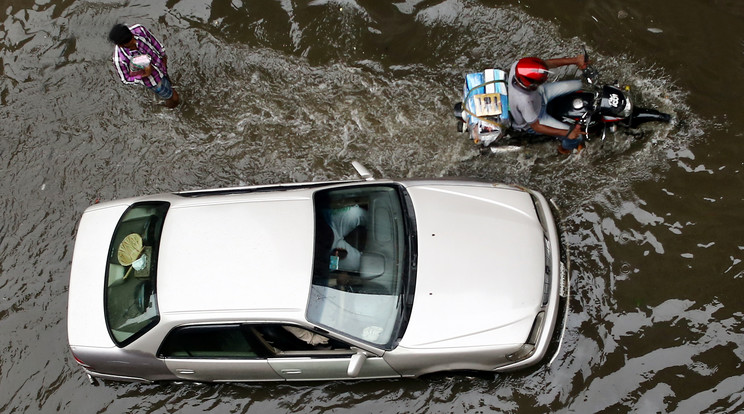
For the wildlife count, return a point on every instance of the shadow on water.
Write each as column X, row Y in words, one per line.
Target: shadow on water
column 277, row 91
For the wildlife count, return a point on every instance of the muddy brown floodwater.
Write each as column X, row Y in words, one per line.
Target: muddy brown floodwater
column 283, row 90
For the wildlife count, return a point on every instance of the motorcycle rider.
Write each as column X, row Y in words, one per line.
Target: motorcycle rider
column 529, row 95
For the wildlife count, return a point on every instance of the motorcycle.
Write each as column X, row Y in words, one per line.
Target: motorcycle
column 484, row 110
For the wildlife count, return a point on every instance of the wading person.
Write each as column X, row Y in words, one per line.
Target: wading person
column 140, row 59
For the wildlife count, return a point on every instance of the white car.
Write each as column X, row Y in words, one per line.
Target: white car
column 316, row 281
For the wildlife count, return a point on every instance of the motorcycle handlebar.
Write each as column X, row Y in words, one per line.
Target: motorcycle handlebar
column 589, row 73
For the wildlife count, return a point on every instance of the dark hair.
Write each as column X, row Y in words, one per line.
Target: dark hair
column 120, row 34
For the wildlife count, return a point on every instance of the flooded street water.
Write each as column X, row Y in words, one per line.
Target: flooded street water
column 290, row 91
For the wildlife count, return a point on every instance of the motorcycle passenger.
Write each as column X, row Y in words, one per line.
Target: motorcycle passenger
column 529, row 95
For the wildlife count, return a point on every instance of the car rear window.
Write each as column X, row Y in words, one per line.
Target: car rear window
column 131, row 269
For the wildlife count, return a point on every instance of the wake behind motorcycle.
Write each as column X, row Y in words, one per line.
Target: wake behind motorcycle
column 484, row 110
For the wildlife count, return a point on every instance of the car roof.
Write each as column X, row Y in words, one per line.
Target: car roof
column 235, row 253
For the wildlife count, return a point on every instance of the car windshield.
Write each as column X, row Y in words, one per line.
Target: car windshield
column 361, row 265
column 130, row 297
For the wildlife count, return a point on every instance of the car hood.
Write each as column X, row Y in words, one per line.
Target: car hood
column 481, row 264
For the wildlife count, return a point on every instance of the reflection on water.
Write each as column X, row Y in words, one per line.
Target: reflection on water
column 278, row 91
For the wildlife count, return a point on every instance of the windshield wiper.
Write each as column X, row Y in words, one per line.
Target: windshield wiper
column 408, row 288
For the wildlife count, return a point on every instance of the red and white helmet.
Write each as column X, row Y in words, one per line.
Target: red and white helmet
column 531, row 72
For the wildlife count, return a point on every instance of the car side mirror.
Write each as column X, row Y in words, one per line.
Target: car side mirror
column 356, row 363
column 362, row 171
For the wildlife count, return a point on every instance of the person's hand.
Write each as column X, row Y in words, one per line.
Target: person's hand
column 575, row 132
column 143, row 73
column 340, row 252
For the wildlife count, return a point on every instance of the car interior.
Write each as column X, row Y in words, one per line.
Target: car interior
column 130, row 295
column 363, row 300
column 374, row 239
column 247, row 341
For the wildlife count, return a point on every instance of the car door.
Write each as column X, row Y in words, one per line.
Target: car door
column 215, row 353
column 298, row 354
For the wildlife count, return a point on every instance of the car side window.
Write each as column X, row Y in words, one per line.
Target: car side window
column 291, row 340
column 215, row 341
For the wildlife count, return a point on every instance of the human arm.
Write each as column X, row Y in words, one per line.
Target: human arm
column 307, row 336
column 573, row 133
column 346, row 219
column 350, row 258
column 149, row 40
column 121, row 65
column 579, row 60
column 146, row 72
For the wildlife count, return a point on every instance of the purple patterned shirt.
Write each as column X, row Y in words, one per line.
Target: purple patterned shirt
column 147, row 44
